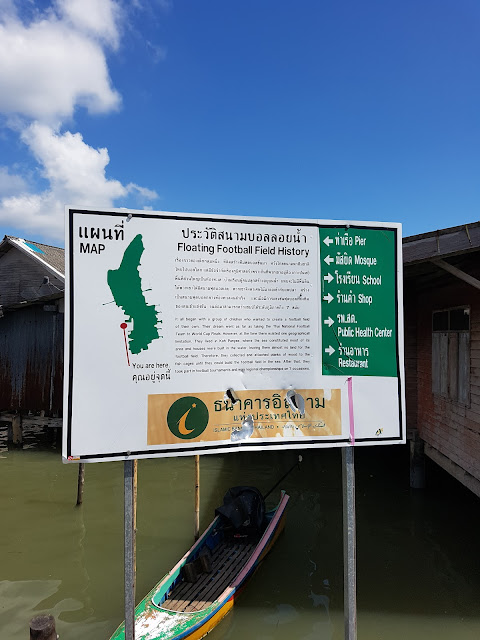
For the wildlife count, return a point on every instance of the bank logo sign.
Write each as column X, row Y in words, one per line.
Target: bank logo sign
column 256, row 415
column 187, row 418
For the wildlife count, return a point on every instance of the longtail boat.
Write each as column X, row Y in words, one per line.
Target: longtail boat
column 202, row 587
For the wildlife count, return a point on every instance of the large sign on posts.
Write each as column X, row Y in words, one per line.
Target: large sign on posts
column 201, row 334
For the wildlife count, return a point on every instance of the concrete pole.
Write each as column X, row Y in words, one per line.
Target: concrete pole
column 197, row 497
column 349, row 544
column 130, row 499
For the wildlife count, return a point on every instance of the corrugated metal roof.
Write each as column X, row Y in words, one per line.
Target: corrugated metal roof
column 442, row 243
column 44, row 253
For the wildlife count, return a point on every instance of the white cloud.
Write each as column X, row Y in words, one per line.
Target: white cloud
column 7, row 9
column 166, row 5
column 35, row 213
column 142, row 192
column 47, row 68
column 10, row 183
column 76, row 173
column 158, row 53
column 99, row 18
column 71, row 166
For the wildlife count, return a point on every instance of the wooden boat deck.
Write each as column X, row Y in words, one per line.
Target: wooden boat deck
column 227, row 561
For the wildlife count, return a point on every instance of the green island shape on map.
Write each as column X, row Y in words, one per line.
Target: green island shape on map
column 126, row 286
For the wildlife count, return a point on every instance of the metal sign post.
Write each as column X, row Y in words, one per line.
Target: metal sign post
column 349, row 545
column 197, row 498
column 130, row 498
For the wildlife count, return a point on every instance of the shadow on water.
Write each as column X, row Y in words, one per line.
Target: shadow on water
column 417, row 550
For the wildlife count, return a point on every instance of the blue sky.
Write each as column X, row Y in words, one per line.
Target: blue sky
column 327, row 109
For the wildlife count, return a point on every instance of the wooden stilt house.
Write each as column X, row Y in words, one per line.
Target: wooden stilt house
column 32, row 285
column 442, row 347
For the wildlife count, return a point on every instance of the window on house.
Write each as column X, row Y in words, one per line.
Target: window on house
column 451, row 354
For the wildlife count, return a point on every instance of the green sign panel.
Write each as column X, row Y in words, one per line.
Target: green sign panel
column 358, row 301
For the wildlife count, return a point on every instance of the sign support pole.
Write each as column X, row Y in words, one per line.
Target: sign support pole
column 349, row 544
column 130, row 504
column 197, row 497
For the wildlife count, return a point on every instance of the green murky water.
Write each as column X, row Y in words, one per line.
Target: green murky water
column 418, row 564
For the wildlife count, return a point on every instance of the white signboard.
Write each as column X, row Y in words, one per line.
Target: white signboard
column 198, row 334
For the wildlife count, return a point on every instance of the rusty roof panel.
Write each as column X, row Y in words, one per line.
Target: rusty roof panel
column 441, row 243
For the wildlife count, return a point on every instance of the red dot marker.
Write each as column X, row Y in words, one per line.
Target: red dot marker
column 124, row 326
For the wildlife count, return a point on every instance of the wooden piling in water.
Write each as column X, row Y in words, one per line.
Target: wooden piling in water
column 17, row 430
column 417, row 462
column 43, row 628
column 80, row 483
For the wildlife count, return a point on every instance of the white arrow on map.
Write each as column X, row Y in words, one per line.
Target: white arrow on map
column 328, row 260
column 328, row 277
column 328, row 241
column 330, row 350
column 328, row 321
column 328, row 298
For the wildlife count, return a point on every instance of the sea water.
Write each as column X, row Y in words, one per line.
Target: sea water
column 417, row 551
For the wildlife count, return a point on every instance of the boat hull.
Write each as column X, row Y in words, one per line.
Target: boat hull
column 154, row 617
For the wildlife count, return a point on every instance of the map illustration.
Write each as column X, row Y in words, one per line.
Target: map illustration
column 126, row 286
